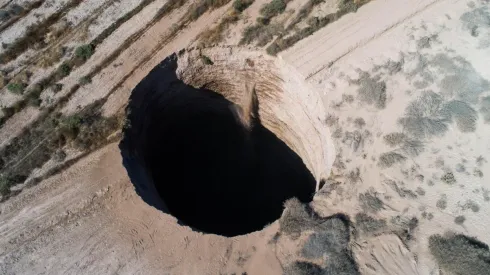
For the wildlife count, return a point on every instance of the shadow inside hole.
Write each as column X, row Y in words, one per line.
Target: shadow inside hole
column 188, row 155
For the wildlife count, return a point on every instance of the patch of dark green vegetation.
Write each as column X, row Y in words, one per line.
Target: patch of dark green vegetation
column 283, row 42
column 460, row 254
column 16, row 88
column 241, row 5
column 84, row 51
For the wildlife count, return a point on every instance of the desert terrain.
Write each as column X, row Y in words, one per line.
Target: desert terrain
column 384, row 103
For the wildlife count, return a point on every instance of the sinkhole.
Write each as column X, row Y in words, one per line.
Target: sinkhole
column 221, row 146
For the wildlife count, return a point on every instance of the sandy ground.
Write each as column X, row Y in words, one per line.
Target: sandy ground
column 88, row 218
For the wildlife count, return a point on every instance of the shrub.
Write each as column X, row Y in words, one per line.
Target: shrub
column 394, row 139
column 460, row 254
column 464, row 115
column 368, row 224
column 206, row 60
column 85, row 51
column 389, row 159
column 448, row 178
column 273, row 8
column 84, row 80
column 241, row 5
column 4, row 186
column 64, row 69
column 57, row 87
column 16, row 88
column 425, row 116
column 359, row 122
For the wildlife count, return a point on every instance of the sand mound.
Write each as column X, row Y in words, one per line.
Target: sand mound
column 221, row 137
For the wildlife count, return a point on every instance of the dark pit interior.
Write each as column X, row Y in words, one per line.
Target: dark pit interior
column 188, row 155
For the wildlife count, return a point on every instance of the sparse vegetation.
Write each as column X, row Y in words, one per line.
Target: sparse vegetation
column 282, row 43
column 442, row 202
column 460, row 254
column 84, row 131
column 203, row 6
column 389, row 159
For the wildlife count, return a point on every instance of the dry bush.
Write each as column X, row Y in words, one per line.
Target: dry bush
column 346, row 6
column 51, row 57
column 368, row 224
column 460, row 254
column 425, row 116
column 372, row 90
column 215, row 35
column 303, row 268
column 485, row 108
column 370, row 202
column 359, row 122
column 464, row 115
column 390, row 158
column 394, row 139
column 448, row 178
column 412, row 147
column 295, row 218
